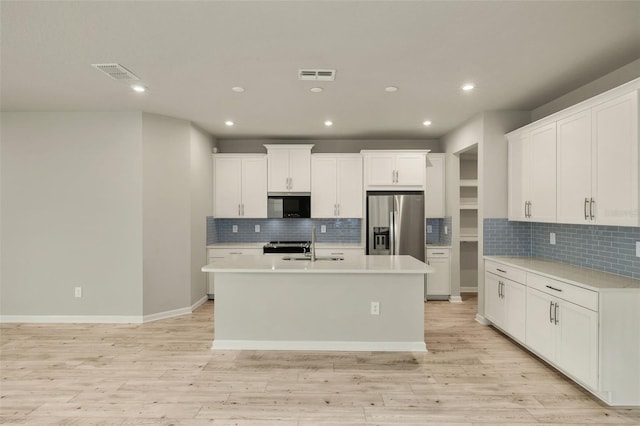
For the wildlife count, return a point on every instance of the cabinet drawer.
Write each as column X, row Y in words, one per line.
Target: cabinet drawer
column 505, row 271
column 216, row 252
column 434, row 252
column 561, row 290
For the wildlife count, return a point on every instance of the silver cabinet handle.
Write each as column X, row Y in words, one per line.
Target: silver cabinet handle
column 397, row 176
column 586, row 216
column 437, row 252
column 239, row 211
column 338, row 209
column 242, row 209
column 501, row 270
column 553, row 288
column 551, row 320
column 555, row 314
column 591, row 203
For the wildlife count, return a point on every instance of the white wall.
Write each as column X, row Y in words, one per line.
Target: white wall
column 615, row 78
column 166, row 145
column 328, row 145
column 201, row 207
column 71, row 213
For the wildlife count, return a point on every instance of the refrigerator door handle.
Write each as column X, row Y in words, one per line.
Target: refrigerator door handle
column 392, row 237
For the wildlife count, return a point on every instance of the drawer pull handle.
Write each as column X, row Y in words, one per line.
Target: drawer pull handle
column 437, row 253
column 553, row 288
column 500, row 270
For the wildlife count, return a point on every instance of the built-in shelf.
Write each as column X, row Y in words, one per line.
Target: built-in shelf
column 469, row 182
column 468, row 208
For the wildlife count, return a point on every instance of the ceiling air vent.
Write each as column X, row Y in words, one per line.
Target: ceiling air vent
column 116, row 72
column 316, row 75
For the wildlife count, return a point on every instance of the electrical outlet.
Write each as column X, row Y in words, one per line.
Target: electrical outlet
column 78, row 291
column 375, row 308
column 234, row 228
column 323, row 229
column 637, row 248
column 552, row 238
column 429, row 229
column 257, row 228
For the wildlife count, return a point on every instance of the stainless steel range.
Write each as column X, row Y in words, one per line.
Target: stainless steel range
column 280, row 247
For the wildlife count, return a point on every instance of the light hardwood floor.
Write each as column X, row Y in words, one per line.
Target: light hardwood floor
column 165, row 373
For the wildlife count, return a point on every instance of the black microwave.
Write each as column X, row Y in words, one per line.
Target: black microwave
column 288, row 206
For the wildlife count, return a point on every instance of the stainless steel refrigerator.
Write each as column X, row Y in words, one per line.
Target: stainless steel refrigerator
column 395, row 223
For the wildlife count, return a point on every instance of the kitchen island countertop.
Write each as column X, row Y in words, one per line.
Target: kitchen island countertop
column 350, row 265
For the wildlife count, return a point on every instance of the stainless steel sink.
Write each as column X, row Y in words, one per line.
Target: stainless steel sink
column 318, row 258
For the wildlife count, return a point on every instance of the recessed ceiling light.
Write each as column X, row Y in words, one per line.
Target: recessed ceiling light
column 229, row 123
column 328, row 123
column 238, row 89
column 391, row 89
column 138, row 88
column 467, row 86
column 316, row 89
column 426, row 123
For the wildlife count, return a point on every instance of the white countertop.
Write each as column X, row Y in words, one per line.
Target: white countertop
column 350, row 265
column 260, row 245
column 576, row 275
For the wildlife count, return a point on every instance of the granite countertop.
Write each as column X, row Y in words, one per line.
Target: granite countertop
column 582, row 277
column 350, row 265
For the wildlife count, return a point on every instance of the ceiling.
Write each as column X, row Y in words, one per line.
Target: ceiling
column 520, row 55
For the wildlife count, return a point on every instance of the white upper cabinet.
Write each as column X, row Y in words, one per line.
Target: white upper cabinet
column 395, row 169
column 532, row 177
column 336, row 186
column 579, row 165
column 574, row 168
column 434, row 191
column 598, row 164
column 615, row 167
column 240, row 188
column 289, row 168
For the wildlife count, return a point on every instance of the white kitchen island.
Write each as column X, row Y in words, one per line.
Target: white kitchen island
column 267, row 303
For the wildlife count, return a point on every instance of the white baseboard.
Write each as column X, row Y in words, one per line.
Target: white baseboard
column 199, row 302
column 482, row 320
column 100, row 319
column 300, row 345
column 66, row 319
column 468, row 289
column 455, row 299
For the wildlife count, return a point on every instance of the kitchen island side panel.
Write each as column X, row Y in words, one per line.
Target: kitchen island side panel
column 291, row 310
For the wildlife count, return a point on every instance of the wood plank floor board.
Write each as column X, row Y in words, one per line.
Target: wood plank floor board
column 165, row 373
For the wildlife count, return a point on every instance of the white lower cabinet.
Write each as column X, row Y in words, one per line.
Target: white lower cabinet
column 345, row 252
column 589, row 332
column 504, row 302
column 438, row 283
column 221, row 253
column 562, row 332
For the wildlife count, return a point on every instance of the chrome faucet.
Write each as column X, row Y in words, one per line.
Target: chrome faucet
column 313, row 244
